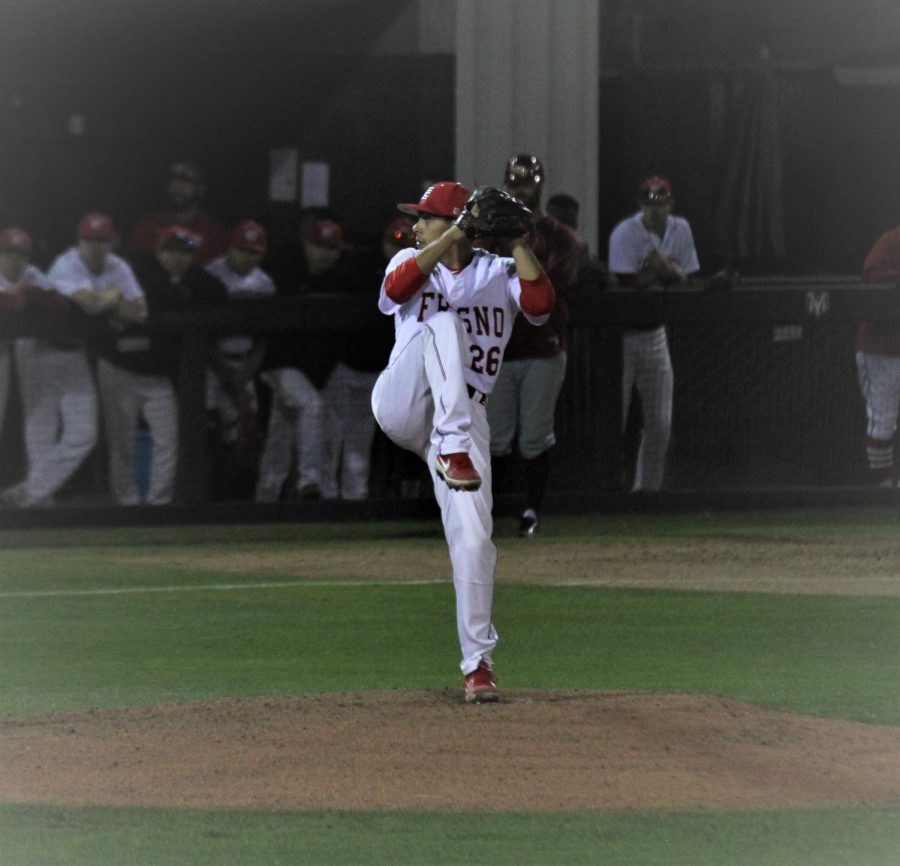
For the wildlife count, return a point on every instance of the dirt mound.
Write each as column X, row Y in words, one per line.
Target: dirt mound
column 428, row 750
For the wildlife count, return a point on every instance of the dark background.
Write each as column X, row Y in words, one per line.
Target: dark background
column 221, row 83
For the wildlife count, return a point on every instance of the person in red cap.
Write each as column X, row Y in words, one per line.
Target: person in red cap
column 878, row 365
column 141, row 368
column 231, row 385
column 523, row 408
column 59, row 395
column 185, row 191
column 651, row 250
column 453, row 308
column 297, row 369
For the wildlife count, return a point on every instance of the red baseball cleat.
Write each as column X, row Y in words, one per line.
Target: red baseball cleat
column 457, row 470
column 481, row 685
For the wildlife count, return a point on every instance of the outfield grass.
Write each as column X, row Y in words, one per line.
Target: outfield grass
column 834, row 656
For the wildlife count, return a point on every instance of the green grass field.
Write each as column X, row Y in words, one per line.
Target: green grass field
column 85, row 623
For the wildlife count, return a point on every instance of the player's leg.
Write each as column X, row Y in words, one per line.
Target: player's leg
column 359, row 431
column 879, row 380
column 161, row 415
column 5, row 374
column 468, row 525
column 655, row 384
column 120, row 406
column 78, row 413
column 277, row 452
column 304, row 401
column 541, row 384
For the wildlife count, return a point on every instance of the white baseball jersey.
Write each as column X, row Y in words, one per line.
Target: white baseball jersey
column 485, row 295
column 631, row 244
column 68, row 273
column 254, row 284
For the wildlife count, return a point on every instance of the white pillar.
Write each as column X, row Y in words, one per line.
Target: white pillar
column 527, row 81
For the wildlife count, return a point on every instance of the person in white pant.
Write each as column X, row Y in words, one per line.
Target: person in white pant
column 104, row 286
column 59, row 397
column 453, row 309
column 651, row 249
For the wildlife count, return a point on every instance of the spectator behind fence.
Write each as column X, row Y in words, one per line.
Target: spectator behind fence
column 185, row 192
column 297, row 367
column 523, row 403
column 59, row 397
column 651, row 249
column 591, row 272
column 878, row 364
column 137, row 371
column 231, row 397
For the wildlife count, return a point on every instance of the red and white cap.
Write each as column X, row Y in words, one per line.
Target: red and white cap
column 656, row 190
column 15, row 240
column 444, row 199
column 325, row 233
column 96, row 227
column 250, row 235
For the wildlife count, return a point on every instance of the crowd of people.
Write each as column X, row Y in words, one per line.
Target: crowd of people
column 288, row 416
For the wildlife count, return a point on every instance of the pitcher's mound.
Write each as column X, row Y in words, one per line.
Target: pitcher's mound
column 429, row 750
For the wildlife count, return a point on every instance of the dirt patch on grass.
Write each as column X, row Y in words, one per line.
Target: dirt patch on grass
column 842, row 566
column 428, row 750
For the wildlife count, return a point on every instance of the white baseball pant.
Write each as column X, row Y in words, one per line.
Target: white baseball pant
column 59, row 401
column 295, row 426
column 124, row 397
column 422, row 403
column 647, row 365
column 350, row 429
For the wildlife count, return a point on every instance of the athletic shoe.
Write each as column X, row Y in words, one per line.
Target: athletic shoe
column 481, row 685
column 457, row 470
column 528, row 525
column 310, row 493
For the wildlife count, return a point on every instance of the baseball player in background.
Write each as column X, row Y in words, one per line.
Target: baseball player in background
column 651, row 249
column 453, row 309
column 878, row 364
column 58, row 393
column 523, row 403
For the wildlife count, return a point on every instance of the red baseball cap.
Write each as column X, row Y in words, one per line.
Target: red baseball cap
column 445, row 199
column 177, row 237
column 325, row 233
column 15, row 240
column 250, row 235
column 96, row 227
column 656, row 190
column 399, row 232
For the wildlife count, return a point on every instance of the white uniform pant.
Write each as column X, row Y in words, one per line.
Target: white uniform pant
column 5, row 374
column 524, row 399
column 350, row 428
column 125, row 397
column 879, row 381
column 646, row 364
column 422, row 403
column 218, row 400
column 59, row 402
column 295, row 426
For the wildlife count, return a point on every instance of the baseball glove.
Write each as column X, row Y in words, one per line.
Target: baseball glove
column 493, row 213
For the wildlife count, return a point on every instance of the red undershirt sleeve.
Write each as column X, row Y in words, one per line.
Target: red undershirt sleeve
column 404, row 281
column 538, row 296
